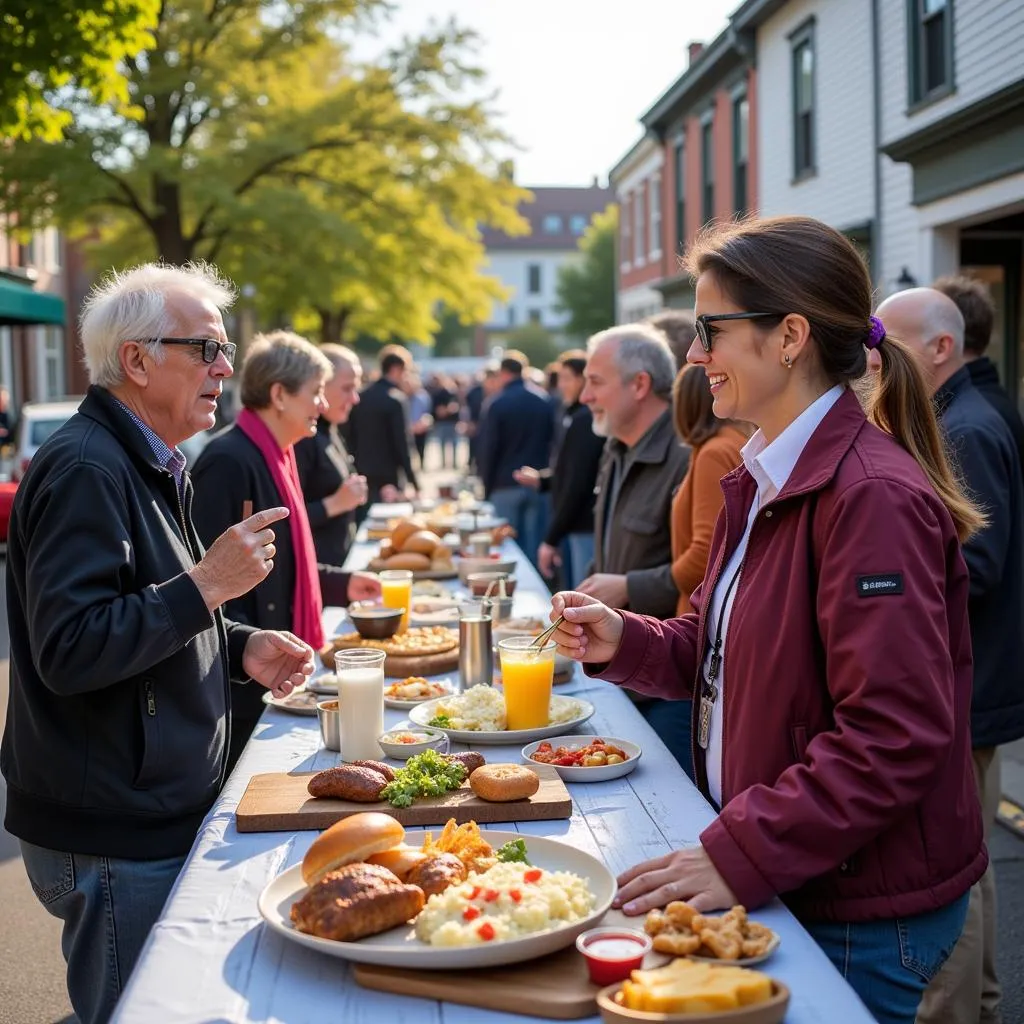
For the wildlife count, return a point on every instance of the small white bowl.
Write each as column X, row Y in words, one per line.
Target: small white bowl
column 403, row 751
column 599, row 773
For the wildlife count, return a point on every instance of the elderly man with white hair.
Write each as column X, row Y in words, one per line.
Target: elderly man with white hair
column 121, row 660
column 628, row 387
column 966, row 989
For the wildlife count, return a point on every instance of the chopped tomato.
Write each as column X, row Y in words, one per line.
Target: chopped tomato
column 565, row 761
column 490, row 895
column 476, row 892
column 486, row 931
column 516, row 895
column 533, row 875
column 470, row 913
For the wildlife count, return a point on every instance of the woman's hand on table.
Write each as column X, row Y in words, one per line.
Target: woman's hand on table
column 363, row 586
column 591, row 631
column 278, row 660
column 681, row 875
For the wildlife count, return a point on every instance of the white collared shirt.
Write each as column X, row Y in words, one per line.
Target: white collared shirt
column 771, row 466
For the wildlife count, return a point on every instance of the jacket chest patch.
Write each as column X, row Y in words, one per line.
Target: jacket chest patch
column 880, row 585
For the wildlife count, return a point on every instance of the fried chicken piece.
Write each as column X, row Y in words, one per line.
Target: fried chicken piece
column 355, row 901
column 437, row 872
column 676, row 943
column 680, row 914
column 656, row 922
column 724, row 943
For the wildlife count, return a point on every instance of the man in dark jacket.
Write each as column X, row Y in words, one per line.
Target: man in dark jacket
column 116, row 738
column 516, row 431
column 379, row 436
column 930, row 322
column 569, row 539
column 973, row 300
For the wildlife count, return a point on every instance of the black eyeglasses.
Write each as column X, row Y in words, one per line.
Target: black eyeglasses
column 705, row 321
column 211, row 348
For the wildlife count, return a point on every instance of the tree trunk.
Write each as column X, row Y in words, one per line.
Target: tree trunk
column 172, row 245
column 332, row 325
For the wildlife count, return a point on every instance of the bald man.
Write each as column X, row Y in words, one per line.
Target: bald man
column 966, row 990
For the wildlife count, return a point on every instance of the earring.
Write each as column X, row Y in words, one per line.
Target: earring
column 789, row 365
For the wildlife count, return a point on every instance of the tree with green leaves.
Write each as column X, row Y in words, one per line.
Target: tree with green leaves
column 535, row 341
column 586, row 290
column 346, row 192
column 58, row 47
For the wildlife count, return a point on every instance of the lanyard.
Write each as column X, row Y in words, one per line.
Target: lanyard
column 709, row 691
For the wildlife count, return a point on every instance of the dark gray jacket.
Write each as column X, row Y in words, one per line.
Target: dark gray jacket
column 116, row 735
column 982, row 446
column 638, row 537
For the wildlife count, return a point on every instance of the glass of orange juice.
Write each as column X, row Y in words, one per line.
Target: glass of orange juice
column 527, row 673
column 396, row 592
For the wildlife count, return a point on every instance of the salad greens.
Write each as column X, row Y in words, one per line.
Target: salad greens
column 426, row 774
column 513, row 851
column 440, row 722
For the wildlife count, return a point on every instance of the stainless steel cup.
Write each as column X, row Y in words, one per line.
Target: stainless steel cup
column 476, row 654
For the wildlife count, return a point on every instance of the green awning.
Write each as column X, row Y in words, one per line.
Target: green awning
column 20, row 305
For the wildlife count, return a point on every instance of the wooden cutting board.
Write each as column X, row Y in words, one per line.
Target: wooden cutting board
column 401, row 668
column 555, row 986
column 279, row 802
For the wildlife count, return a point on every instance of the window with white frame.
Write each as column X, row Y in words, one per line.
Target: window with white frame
column 638, row 226
column 654, row 203
column 50, row 348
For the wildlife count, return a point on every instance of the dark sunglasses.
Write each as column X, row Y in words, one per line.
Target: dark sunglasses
column 705, row 321
column 211, row 348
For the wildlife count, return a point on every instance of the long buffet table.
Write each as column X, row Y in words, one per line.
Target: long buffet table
column 210, row 957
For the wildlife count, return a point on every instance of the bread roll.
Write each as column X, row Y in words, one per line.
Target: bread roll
column 504, row 782
column 403, row 530
column 351, row 840
column 407, row 560
column 386, row 550
column 400, row 860
column 347, row 782
column 422, row 542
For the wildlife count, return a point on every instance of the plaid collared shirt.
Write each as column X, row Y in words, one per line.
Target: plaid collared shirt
column 170, row 458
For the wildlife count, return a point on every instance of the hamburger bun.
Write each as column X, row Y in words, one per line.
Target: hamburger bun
column 503, row 782
column 407, row 560
column 422, row 542
column 403, row 530
column 399, row 860
column 349, row 841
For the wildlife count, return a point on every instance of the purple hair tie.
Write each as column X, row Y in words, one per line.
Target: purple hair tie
column 877, row 333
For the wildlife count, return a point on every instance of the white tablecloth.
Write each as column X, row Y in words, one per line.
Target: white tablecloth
column 210, row 958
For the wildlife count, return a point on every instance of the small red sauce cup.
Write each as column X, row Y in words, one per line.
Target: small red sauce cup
column 612, row 953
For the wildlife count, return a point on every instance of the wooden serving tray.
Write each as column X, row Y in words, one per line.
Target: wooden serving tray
column 396, row 667
column 279, row 802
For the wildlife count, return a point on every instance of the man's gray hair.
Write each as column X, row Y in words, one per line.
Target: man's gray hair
column 339, row 355
column 280, row 357
column 641, row 349
column 132, row 305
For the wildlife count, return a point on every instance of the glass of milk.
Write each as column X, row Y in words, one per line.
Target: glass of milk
column 360, row 703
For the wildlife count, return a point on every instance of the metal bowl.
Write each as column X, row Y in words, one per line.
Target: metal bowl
column 374, row 622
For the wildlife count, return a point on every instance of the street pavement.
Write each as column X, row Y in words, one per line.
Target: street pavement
column 32, row 970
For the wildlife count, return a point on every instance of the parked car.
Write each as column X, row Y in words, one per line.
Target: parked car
column 36, row 422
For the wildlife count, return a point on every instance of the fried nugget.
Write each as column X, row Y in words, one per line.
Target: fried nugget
column 680, row 914
column 676, row 943
column 725, row 944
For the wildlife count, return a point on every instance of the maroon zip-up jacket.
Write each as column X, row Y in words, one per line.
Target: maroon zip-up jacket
column 847, row 780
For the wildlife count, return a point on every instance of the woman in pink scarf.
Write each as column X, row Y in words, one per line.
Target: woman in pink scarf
column 282, row 392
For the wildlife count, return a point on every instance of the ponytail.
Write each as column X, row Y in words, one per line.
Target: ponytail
column 899, row 404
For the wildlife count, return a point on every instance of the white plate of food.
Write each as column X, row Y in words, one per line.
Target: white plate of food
column 565, row 891
column 597, row 758
column 408, row 693
column 434, row 611
column 298, row 702
column 478, row 716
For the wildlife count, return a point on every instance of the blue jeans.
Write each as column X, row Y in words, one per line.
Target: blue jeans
column 889, row 963
column 524, row 509
column 580, row 550
column 108, row 907
column 672, row 720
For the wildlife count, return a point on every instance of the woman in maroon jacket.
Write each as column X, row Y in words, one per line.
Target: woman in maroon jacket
column 828, row 655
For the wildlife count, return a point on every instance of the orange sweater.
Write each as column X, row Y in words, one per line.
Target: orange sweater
column 695, row 509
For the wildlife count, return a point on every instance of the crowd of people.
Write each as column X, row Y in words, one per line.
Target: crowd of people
column 789, row 526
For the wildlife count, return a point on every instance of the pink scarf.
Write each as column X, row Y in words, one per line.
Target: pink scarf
column 308, row 604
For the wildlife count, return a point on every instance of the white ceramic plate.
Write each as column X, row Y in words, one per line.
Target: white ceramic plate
column 405, row 705
column 400, row 948
column 324, row 683
column 434, row 611
column 423, row 713
column 749, row 961
column 599, row 773
column 298, row 702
